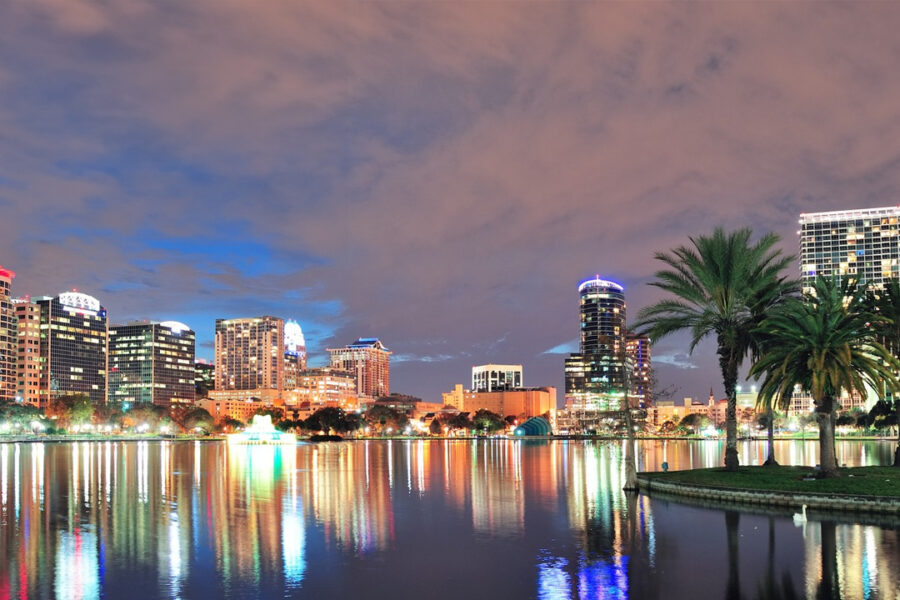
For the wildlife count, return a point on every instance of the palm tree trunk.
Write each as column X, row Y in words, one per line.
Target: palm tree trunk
column 770, row 460
column 729, row 365
column 827, row 455
column 897, row 413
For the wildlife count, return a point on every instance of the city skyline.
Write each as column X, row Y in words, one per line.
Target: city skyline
column 438, row 177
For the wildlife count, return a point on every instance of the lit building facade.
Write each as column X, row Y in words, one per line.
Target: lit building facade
column 72, row 347
column 862, row 243
column 522, row 403
column 637, row 350
column 204, row 377
column 249, row 358
column 28, row 361
column 325, row 386
column 151, row 362
column 597, row 377
column 491, row 378
column 370, row 361
column 294, row 353
column 8, row 339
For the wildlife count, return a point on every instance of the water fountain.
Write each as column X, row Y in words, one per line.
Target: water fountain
column 261, row 431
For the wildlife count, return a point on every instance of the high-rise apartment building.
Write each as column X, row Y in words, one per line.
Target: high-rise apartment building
column 370, row 361
column 28, row 359
column 151, row 362
column 492, row 378
column 8, row 340
column 597, row 377
column 71, row 344
column 637, row 349
column 864, row 243
column 249, row 358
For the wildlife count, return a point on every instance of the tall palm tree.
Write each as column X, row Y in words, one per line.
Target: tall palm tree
column 886, row 303
column 722, row 285
column 825, row 342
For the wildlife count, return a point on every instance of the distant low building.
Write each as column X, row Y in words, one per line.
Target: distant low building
column 240, row 410
column 520, row 403
column 323, row 386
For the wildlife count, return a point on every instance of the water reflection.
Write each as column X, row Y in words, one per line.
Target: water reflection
column 406, row 519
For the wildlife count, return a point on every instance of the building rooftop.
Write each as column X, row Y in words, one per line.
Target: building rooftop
column 367, row 343
column 841, row 215
column 599, row 283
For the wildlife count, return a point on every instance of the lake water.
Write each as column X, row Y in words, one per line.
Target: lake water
column 414, row 519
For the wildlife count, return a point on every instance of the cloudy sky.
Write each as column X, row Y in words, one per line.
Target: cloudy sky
column 437, row 174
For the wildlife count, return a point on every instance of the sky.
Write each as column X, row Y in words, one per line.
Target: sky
column 439, row 175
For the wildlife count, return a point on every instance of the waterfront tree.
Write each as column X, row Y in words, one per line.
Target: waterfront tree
column 487, row 421
column 195, row 417
column 460, row 421
column 721, row 286
column 72, row 410
column 332, row 419
column 381, row 418
column 825, row 342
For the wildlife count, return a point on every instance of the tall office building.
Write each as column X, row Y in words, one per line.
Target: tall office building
column 492, row 378
column 151, row 362
column 370, row 361
column 597, row 377
column 8, row 340
column 294, row 354
column 249, row 359
column 71, row 344
column 864, row 243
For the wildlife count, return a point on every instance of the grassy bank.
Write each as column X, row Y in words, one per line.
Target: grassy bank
column 857, row 481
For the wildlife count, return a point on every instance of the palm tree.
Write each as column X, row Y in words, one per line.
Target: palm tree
column 886, row 303
column 721, row 286
column 825, row 342
column 770, row 404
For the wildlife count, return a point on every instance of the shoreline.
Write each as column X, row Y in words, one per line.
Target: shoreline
column 685, row 485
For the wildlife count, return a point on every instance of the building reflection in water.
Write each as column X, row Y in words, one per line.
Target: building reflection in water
column 79, row 520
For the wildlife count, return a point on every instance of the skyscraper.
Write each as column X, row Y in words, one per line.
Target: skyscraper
column 8, row 345
column 151, row 362
column 597, row 378
column 370, row 361
column 249, row 359
column 71, row 345
column 294, row 354
column 864, row 243
column 28, row 361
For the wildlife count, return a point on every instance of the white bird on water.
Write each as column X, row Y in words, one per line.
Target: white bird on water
column 800, row 518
